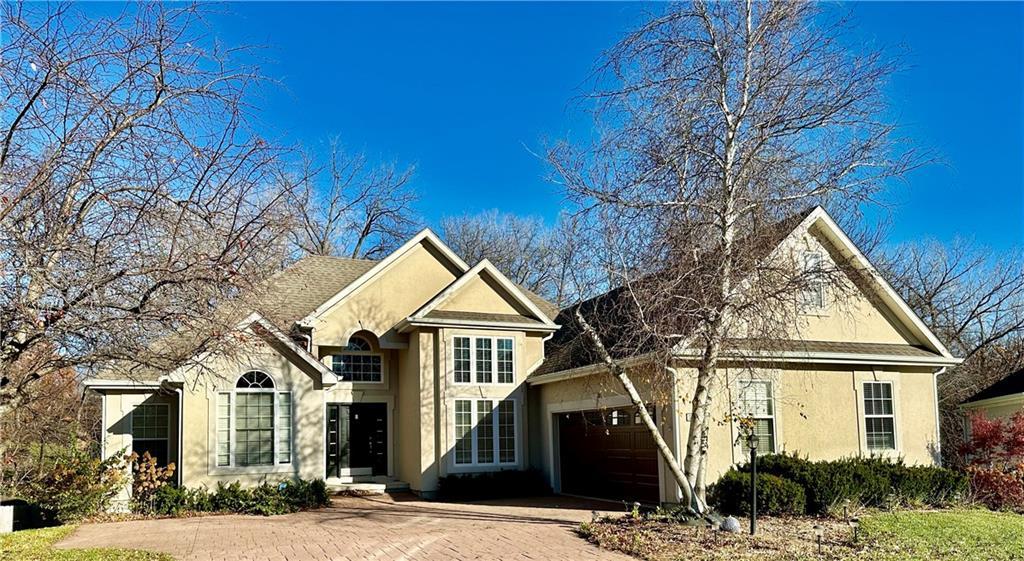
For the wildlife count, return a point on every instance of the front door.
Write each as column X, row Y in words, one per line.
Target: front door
column 357, row 439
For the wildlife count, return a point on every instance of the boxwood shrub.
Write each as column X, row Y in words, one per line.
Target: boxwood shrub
column 493, row 485
column 868, row 481
column 264, row 499
column 775, row 495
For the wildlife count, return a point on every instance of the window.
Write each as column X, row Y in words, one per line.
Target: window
column 483, row 359
column 492, row 440
column 756, row 402
column 505, row 361
column 254, row 423
column 462, row 360
column 149, row 431
column 484, row 375
column 813, row 298
column 879, row 419
column 358, row 363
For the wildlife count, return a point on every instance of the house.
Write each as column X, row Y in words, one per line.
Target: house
column 405, row 370
column 1001, row 400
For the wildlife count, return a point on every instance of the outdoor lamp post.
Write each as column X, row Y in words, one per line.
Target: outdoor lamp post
column 819, row 532
column 752, row 444
column 855, row 524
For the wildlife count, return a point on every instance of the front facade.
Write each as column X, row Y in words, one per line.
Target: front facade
column 419, row 366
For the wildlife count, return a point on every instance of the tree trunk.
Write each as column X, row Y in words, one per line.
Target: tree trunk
column 693, row 502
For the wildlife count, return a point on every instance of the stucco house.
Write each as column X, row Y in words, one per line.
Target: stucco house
column 1001, row 400
column 418, row 366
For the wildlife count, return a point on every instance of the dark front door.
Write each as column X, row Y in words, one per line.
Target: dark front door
column 607, row 454
column 357, row 438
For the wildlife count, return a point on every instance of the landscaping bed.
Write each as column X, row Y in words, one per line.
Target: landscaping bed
column 902, row 535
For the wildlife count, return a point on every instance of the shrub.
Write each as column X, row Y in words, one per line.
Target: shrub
column 78, row 485
column 870, row 481
column 147, row 478
column 998, row 488
column 493, row 485
column 264, row 499
column 775, row 495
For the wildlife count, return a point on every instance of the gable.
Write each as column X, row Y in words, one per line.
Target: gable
column 482, row 295
column 394, row 292
column 852, row 314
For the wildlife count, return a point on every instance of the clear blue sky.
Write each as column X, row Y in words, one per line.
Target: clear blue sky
column 466, row 91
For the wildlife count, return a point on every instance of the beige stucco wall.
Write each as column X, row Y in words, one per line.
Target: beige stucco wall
column 819, row 413
column 481, row 294
column 199, row 430
column 383, row 302
column 997, row 408
column 117, row 422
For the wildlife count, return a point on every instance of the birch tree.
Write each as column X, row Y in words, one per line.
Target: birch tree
column 135, row 198
column 717, row 123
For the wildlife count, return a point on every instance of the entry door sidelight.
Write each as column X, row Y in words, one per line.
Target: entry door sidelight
column 357, row 439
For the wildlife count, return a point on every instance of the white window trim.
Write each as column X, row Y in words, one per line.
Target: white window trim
column 804, row 308
column 494, row 361
column 774, row 378
column 166, row 439
column 865, row 416
column 474, row 416
column 275, row 392
column 344, row 351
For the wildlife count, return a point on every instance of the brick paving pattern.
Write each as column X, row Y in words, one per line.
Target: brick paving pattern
column 373, row 528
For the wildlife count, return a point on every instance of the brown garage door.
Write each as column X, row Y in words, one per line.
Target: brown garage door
column 607, row 454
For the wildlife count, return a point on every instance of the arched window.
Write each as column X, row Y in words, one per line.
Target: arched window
column 254, row 423
column 255, row 379
column 357, row 362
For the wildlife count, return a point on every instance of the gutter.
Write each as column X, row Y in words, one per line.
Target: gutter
column 181, row 417
column 405, row 325
column 938, row 419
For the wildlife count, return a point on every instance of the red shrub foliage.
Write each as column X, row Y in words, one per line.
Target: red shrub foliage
column 995, row 456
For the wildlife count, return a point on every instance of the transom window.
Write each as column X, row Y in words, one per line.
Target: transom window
column 756, row 402
column 483, row 359
column 879, row 418
column 485, row 432
column 358, row 363
column 254, row 423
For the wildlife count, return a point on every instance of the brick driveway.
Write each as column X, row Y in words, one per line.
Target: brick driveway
column 379, row 528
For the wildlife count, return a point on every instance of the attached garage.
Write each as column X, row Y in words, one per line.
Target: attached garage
column 607, row 454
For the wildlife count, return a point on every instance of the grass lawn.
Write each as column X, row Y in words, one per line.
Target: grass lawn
column 909, row 535
column 37, row 545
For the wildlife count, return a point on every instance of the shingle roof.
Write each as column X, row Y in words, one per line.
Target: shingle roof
column 843, row 347
column 300, row 289
column 1014, row 383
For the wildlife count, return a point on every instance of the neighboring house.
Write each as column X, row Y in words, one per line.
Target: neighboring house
column 419, row 366
column 1001, row 400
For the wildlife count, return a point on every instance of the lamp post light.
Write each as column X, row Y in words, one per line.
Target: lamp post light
column 819, row 532
column 752, row 444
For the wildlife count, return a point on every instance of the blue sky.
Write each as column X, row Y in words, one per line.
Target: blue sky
column 466, row 91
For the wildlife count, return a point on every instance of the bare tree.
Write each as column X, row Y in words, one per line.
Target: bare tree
column 135, row 197
column 974, row 301
column 720, row 122
column 353, row 209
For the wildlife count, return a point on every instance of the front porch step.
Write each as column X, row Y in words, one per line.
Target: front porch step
column 366, row 485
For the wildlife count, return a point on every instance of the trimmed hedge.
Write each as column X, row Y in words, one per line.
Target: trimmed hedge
column 264, row 499
column 872, row 481
column 493, row 485
column 775, row 495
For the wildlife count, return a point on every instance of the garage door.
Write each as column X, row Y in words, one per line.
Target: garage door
column 607, row 454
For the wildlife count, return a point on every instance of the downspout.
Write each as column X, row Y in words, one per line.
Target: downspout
column 938, row 419
column 181, row 417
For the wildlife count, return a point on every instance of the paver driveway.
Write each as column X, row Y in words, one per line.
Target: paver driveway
column 379, row 528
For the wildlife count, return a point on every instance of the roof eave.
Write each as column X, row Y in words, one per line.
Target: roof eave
column 408, row 324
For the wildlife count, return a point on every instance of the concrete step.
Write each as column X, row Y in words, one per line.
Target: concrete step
column 367, row 485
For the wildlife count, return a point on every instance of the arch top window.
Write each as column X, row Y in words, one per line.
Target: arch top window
column 357, row 362
column 255, row 380
column 356, row 343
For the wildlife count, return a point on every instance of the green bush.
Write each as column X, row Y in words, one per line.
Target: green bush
column 493, row 485
column 78, row 485
column 870, row 481
column 775, row 495
column 264, row 499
